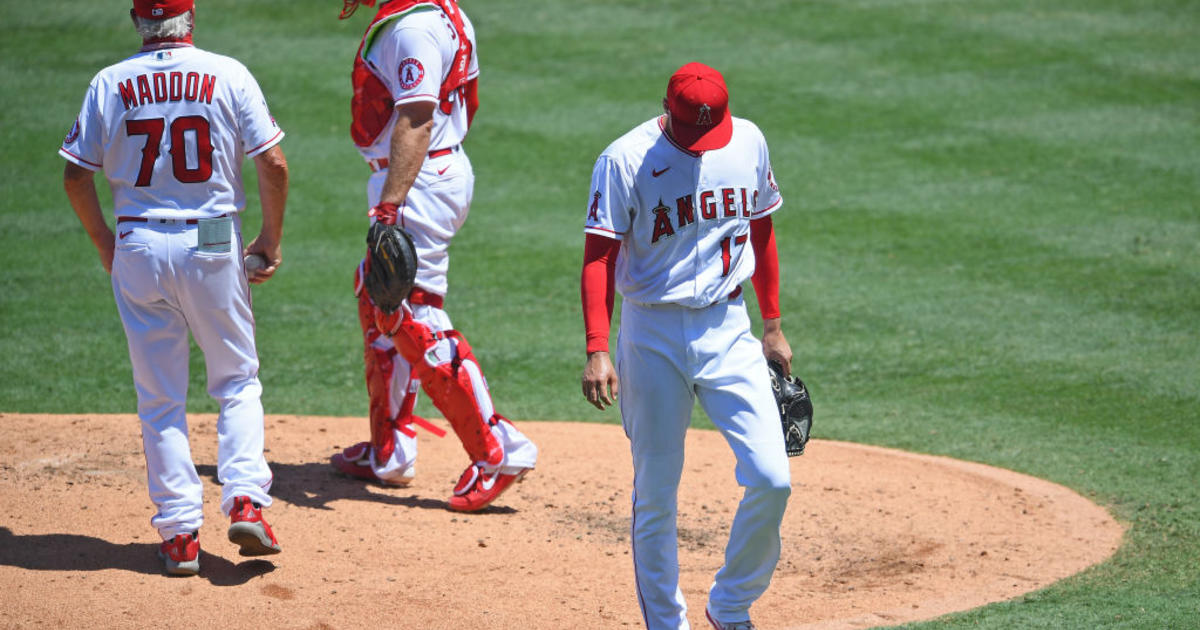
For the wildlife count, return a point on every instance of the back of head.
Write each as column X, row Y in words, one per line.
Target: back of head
column 163, row 19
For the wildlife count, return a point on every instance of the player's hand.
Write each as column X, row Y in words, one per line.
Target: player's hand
column 775, row 345
column 269, row 250
column 599, row 380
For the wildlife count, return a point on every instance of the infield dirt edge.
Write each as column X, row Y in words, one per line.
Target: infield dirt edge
column 873, row 536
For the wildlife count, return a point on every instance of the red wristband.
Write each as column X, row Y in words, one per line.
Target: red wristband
column 385, row 213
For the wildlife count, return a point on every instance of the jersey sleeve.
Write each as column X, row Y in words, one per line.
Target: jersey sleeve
column 607, row 210
column 768, row 200
column 410, row 61
column 84, row 143
column 259, row 129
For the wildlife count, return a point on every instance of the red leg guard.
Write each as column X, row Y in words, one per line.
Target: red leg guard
column 379, row 373
column 443, row 362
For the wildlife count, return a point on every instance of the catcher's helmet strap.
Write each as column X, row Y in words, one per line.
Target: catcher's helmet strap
column 349, row 6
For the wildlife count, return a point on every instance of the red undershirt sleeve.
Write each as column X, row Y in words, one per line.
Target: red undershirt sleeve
column 597, row 288
column 766, row 267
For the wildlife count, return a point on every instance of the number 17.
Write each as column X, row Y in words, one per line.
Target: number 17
column 726, row 253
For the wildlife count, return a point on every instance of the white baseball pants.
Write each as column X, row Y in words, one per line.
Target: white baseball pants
column 667, row 356
column 163, row 288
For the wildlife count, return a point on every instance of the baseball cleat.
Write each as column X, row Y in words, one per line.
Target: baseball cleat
column 477, row 489
column 355, row 461
column 181, row 555
column 250, row 530
column 732, row 625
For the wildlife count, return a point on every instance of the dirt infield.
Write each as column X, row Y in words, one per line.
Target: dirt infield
column 872, row 536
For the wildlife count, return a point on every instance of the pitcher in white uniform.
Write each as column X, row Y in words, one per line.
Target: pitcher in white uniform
column 678, row 218
column 170, row 127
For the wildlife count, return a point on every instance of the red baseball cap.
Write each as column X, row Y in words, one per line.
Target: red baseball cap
column 161, row 9
column 698, row 102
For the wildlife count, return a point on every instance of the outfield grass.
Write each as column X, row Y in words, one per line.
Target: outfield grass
column 990, row 242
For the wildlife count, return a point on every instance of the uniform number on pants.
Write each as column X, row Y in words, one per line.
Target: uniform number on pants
column 727, row 254
column 185, row 128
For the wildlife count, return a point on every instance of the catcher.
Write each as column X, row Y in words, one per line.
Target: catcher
column 414, row 82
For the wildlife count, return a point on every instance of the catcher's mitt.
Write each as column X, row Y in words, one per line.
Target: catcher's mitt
column 391, row 269
column 795, row 408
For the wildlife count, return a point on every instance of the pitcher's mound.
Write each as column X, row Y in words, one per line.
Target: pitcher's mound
column 872, row 536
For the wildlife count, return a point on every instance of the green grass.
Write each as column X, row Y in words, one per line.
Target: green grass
column 990, row 243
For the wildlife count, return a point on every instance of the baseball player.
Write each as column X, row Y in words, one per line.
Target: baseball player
column 415, row 78
column 678, row 218
column 170, row 127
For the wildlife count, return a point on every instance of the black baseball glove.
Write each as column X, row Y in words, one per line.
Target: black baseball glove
column 795, row 408
column 391, row 269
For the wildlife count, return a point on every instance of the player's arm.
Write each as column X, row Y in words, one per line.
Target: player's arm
column 766, row 288
column 80, row 185
column 410, row 145
column 272, row 169
column 596, row 290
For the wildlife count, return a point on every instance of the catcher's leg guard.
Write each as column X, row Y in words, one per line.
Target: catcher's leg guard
column 449, row 374
column 379, row 359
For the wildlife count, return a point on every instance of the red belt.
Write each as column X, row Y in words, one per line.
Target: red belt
column 422, row 297
column 160, row 220
column 378, row 164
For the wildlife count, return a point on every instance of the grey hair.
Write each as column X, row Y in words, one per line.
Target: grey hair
column 176, row 27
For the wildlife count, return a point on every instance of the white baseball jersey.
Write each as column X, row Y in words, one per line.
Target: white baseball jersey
column 420, row 46
column 684, row 221
column 170, row 128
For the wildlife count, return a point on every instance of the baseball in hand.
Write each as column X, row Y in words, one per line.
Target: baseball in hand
column 254, row 262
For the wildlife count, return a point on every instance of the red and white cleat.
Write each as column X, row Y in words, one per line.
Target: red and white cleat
column 250, row 530
column 181, row 555
column 476, row 489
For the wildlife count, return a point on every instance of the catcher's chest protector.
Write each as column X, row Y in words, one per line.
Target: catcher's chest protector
column 371, row 106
